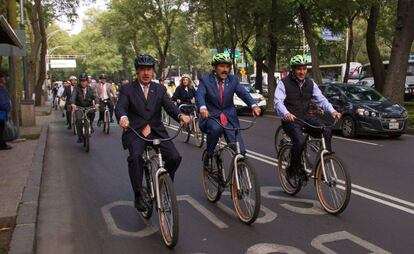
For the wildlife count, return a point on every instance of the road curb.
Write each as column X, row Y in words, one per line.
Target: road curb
column 24, row 235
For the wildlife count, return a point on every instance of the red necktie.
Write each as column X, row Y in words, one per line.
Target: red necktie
column 223, row 117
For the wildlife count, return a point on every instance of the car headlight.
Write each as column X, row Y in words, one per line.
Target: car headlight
column 373, row 114
column 404, row 113
column 366, row 113
column 360, row 111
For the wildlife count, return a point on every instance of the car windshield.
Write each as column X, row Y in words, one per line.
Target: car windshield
column 248, row 88
column 363, row 93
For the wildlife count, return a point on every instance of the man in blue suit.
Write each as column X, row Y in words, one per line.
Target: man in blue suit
column 215, row 98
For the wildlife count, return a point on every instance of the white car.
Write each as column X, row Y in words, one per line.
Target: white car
column 258, row 98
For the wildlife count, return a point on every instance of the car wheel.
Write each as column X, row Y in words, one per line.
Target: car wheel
column 348, row 127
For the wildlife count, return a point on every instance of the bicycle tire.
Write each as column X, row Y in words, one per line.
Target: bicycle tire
column 245, row 172
column 212, row 192
column 167, row 194
column 198, row 134
column 147, row 190
column 278, row 139
column 341, row 183
column 73, row 123
column 106, row 121
column 185, row 134
column 86, row 142
column 289, row 187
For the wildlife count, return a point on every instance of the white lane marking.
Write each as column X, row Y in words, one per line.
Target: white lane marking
column 267, row 248
column 271, row 161
column 115, row 230
column 247, row 121
column 209, row 215
column 320, row 241
column 357, row 141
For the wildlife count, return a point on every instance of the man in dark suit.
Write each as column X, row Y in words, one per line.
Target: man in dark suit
column 215, row 98
column 5, row 107
column 83, row 96
column 139, row 107
column 67, row 95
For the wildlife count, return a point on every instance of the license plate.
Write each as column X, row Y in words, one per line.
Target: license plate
column 393, row 126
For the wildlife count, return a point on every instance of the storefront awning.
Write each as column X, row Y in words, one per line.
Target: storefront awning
column 7, row 34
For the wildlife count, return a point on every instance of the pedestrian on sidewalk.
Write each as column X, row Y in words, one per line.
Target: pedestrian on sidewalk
column 5, row 107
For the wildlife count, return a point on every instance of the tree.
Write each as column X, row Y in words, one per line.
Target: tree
column 401, row 47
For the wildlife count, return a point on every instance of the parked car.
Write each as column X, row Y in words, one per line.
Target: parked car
column 366, row 82
column 365, row 111
column 409, row 92
column 258, row 98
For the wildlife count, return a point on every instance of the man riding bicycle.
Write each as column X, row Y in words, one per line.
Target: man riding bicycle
column 83, row 96
column 139, row 107
column 214, row 98
column 293, row 96
column 106, row 94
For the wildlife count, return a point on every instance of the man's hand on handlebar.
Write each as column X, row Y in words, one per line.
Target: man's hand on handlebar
column 289, row 117
column 204, row 113
column 336, row 115
column 124, row 122
column 257, row 111
column 184, row 119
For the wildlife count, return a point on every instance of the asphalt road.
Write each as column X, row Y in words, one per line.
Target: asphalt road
column 86, row 201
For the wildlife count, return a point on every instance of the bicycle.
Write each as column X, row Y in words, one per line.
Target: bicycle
column 86, row 126
column 244, row 185
column 193, row 128
column 329, row 172
column 107, row 117
column 163, row 194
column 73, row 123
column 165, row 118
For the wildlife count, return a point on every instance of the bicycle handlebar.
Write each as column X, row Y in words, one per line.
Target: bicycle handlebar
column 87, row 109
column 235, row 129
column 187, row 105
column 317, row 127
column 153, row 140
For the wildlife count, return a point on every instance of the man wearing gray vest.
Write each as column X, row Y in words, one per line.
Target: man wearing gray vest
column 293, row 96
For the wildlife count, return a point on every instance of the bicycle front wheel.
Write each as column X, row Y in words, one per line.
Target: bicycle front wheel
column 280, row 138
column 168, row 211
column 289, row 186
column 246, row 199
column 185, row 134
column 334, row 186
column 106, row 122
column 198, row 134
column 147, row 190
column 210, row 179
column 73, row 122
column 86, row 143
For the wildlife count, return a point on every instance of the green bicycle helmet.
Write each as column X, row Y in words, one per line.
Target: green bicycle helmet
column 298, row 60
column 220, row 59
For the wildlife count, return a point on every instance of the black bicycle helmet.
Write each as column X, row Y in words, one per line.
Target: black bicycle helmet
column 103, row 76
column 83, row 76
column 144, row 60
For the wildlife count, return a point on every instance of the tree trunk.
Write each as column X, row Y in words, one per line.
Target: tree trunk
column 271, row 81
column 401, row 46
column 43, row 51
column 349, row 49
column 34, row 54
column 374, row 54
column 307, row 27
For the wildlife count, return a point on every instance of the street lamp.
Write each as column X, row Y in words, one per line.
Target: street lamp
column 49, row 35
column 49, row 52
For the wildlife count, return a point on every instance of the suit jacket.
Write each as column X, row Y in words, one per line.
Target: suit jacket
column 109, row 90
column 67, row 93
column 208, row 95
column 141, row 111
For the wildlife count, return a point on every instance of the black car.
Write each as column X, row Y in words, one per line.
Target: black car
column 365, row 111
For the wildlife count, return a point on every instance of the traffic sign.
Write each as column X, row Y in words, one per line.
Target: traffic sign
column 236, row 52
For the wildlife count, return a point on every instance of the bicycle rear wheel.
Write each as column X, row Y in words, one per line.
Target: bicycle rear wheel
column 168, row 211
column 333, row 188
column 289, row 186
column 147, row 190
column 210, row 180
column 198, row 134
column 280, row 138
column 246, row 200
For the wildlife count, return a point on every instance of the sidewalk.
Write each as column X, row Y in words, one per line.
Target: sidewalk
column 15, row 169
